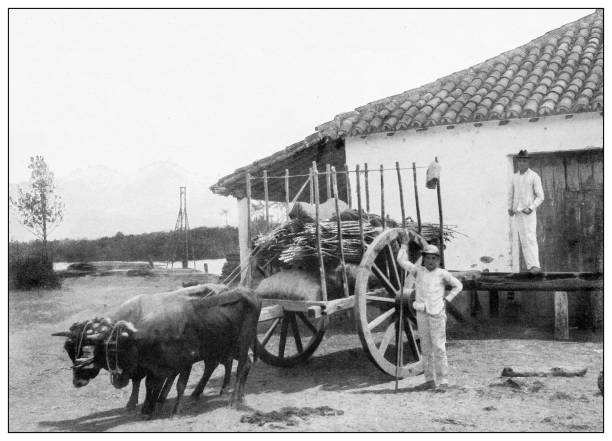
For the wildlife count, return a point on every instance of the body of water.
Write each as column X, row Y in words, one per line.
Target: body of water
column 214, row 265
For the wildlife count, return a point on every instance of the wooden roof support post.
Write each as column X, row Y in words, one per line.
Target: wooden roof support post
column 401, row 194
column 382, row 196
column 247, row 274
column 287, row 196
column 416, row 197
column 359, row 210
column 339, row 221
column 367, row 187
column 315, row 175
column 265, row 183
column 328, row 181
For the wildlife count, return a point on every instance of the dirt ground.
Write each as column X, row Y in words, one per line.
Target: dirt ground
column 352, row 394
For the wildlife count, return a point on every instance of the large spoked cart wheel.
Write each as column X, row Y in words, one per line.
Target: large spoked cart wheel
column 289, row 339
column 379, row 282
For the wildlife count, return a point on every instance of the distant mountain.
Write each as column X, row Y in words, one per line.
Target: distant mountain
column 101, row 201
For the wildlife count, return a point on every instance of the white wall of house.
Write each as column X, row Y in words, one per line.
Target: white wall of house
column 476, row 170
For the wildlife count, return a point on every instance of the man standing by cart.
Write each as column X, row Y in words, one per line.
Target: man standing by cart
column 524, row 197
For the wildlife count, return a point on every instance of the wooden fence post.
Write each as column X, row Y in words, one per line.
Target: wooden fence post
column 561, row 316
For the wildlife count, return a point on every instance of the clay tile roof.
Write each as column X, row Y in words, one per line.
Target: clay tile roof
column 533, row 80
column 559, row 72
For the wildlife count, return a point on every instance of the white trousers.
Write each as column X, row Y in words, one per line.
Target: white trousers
column 432, row 331
column 525, row 226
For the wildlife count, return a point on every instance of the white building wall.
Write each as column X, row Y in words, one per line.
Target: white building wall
column 476, row 172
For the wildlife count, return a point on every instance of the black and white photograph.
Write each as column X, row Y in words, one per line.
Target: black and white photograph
column 305, row 220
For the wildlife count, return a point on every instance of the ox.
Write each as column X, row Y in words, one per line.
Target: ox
column 80, row 346
column 174, row 330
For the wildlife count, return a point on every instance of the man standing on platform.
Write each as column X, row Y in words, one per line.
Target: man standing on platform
column 524, row 197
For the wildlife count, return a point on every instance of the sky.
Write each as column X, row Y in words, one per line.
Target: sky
column 214, row 90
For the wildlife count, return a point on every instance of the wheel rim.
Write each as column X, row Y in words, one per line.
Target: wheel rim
column 379, row 281
column 289, row 340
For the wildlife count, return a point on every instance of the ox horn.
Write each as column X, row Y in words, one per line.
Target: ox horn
column 130, row 327
column 62, row 334
column 96, row 337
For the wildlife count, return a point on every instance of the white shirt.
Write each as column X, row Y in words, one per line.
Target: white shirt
column 525, row 191
column 430, row 285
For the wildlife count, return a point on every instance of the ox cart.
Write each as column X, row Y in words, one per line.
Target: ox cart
column 291, row 330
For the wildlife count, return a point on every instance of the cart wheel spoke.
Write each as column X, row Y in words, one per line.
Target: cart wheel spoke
column 383, row 279
column 388, row 336
column 380, row 319
column 270, row 331
column 283, row 337
column 296, row 333
column 410, row 335
column 393, row 265
column 374, row 298
column 305, row 320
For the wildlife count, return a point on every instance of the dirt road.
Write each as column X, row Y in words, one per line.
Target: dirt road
column 42, row 398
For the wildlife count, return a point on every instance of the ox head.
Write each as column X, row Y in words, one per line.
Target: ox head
column 81, row 350
column 96, row 344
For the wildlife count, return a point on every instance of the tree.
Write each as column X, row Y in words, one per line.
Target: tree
column 37, row 206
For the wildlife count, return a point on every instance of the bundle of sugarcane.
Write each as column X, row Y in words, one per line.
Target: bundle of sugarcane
column 431, row 232
column 304, row 244
column 294, row 243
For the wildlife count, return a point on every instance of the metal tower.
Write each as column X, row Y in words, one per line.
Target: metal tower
column 180, row 236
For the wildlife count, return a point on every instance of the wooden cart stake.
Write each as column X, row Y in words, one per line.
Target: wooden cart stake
column 265, row 182
column 358, row 180
column 315, row 175
column 340, row 244
column 382, row 196
column 441, row 223
column 367, row 186
column 247, row 275
column 328, row 181
column 348, row 187
column 401, row 194
column 287, row 197
column 416, row 197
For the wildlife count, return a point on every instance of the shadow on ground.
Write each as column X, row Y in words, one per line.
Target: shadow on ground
column 109, row 419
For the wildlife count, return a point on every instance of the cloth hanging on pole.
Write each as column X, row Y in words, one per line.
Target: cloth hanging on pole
column 432, row 176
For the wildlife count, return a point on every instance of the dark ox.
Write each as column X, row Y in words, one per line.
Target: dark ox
column 175, row 330
column 88, row 343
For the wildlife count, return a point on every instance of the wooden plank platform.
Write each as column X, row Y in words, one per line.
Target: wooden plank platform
column 558, row 282
column 525, row 281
